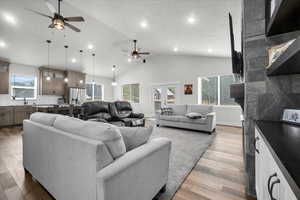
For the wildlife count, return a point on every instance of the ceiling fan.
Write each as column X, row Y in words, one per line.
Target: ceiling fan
column 136, row 54
column 58, row 21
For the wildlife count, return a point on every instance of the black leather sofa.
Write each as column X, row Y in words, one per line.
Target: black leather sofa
column 122, row 110
column 96, row 110
column 119, row 113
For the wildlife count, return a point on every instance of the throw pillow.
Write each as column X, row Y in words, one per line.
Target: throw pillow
column 43, row 118
column 135, row 136
column 193, row 115
column 109, row 135
column 166, row 111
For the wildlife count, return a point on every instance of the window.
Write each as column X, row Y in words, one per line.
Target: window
column 216, row 90
column 131, row 93
column 94, row 91
column 23, row 87
column 225, row 82
column 209, row 90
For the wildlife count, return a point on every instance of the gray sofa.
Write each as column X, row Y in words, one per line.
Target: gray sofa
column 82, row 160
column 177, row 118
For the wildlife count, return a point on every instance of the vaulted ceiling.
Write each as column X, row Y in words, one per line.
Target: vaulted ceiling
column 179, row 27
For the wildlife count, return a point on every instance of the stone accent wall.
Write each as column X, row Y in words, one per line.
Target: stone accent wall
column 265, row 97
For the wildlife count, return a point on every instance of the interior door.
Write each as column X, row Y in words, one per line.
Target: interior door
column 165, row 95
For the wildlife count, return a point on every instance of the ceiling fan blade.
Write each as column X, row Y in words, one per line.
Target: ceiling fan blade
column 51, row 26
column 74, row 19
column 144, row 53
column 39, row 13
column 72, row 27
column 50, row 7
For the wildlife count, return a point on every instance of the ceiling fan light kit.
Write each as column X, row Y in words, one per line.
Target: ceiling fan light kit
column 136, row 54
column 58, row 21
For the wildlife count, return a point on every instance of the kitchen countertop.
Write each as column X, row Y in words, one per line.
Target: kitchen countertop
column 283, row 141
column 43, row 105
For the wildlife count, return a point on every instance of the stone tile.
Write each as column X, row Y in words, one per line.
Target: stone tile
column 295, row 84
column 257, row 63
column 254, row 10
column 254, row 28
column 255, row 75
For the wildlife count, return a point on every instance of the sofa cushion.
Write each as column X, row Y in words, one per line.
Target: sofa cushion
column 109, row 135
column 180, row 118
column 93, row 107
column 169, row 117
column 105, row 116
column 193, row 121
column 201, row 108
column 179, row 109
column 194, row 115
column 135, row 136
column 43, row 118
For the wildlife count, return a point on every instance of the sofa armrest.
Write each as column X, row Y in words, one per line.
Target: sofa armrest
column 139, row 174
column 212, row 114
column 212, row 121
column 137, row 115
column 53, row 156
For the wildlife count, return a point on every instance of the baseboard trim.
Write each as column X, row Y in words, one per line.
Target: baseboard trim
column 229, row 124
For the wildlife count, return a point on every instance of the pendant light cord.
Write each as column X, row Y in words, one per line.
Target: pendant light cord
column 66, row 56
column 93, row 67
column 48, row 42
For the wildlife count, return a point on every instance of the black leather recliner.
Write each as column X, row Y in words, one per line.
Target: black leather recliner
column 96, row 110
column 122, row 110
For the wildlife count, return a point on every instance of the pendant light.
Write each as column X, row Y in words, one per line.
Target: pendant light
column 81, row 63
column 93, row 82
column 114, row 83
column 66, row 61
column 48, row 78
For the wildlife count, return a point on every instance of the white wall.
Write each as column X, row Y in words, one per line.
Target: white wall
column 5, row 99
column 181, row 70
column 106, row 82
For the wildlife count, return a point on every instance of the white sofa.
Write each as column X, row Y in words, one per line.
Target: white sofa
column 74, row 167
column 178, row 117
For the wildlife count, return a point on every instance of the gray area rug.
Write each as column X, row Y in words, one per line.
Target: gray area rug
column 187, row 148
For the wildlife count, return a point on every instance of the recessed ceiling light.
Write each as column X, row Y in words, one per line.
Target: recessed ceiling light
column 2, row 44
column 209, row 50
column 74, row 60
column 191, row 20
column 90, row 46
column 9, row 18
column 129, row 59
column 175, row 49
column 144, row 24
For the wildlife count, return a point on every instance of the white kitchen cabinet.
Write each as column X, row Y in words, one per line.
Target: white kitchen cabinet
column 270, row 182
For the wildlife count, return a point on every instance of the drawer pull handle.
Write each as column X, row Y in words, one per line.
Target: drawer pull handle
column 277, row 181
column 269, row 182
column 254, row 144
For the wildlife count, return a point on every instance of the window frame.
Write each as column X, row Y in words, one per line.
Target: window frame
column 12, row 87
column 93, row 91
column 131, row 99
column 218, row 90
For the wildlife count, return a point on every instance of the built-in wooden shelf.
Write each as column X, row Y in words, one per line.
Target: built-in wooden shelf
column 285, row 18
column 288, row 62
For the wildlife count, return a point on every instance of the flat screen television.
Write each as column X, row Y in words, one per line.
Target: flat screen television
column 237, row 57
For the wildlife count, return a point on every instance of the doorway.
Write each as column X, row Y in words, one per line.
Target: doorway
column 165, row 95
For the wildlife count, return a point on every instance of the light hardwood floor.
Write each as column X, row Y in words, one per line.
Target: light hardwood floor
column 219, row 175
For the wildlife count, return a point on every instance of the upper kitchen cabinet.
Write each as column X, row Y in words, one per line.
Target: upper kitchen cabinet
column 4, row 77
column 52, row 81
column 76, row 79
